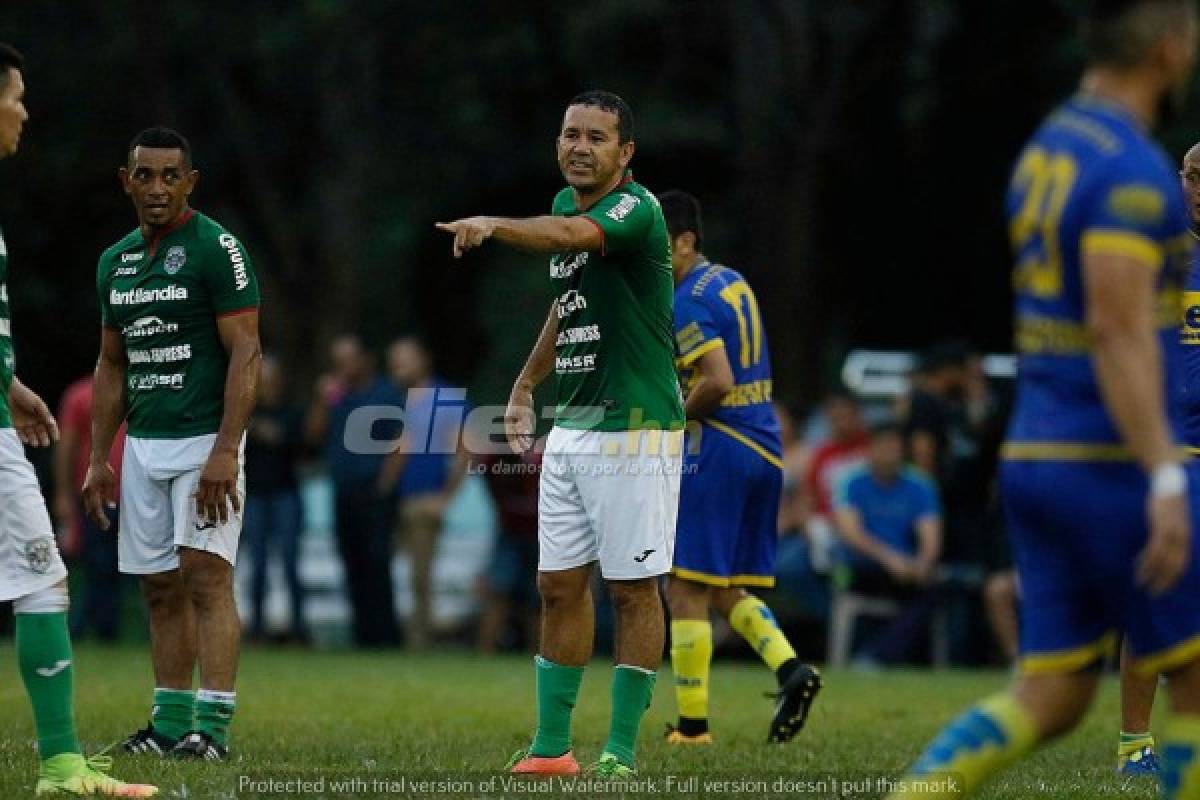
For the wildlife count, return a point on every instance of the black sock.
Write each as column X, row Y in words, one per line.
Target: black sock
column 786, row 669
column 692, row 727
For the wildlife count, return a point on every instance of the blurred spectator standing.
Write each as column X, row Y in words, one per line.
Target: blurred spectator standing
column 508, row 589
column 272, row 522
column 800, row 589
column 425, row 471
column 845, row 449
column 99, row 608
column 362, row 514
column 890, row 524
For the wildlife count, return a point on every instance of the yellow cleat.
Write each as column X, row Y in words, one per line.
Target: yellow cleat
column 71, row 773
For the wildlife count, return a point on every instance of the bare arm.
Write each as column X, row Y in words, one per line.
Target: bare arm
column 714, row 380
column 545, row 234
column 519, row 419
column 108, row 409
column 929, row 544
column 218, row 481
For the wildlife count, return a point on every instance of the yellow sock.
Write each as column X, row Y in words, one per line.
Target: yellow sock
column 968, row 751
column 1181, row 758
column 691, row 654
column 754, row 621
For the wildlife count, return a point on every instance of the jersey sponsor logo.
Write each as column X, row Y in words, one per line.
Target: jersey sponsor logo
column 146, row 383
column 689, row 337
column 125, row 272
column 620, row 211
column 161, row 355
column 565, row 266
column 175, row 259
column 148, row 326
column 141, row 295
column 130, row 257
column 230, row 243
column 584, row 363
column 570, row 302
column 1137, row 204
column 1190, row 332
column 578, row 335
column 5, row 328
column 748, row 394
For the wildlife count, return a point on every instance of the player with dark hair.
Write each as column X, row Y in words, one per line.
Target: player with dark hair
column 1093, row 483
column 35, row 580
column 609, row 489
column 732, row 483
column 179, row 360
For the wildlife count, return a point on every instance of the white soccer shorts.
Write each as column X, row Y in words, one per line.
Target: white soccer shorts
column 29, row 559
column 158, row 505
column 612, row 497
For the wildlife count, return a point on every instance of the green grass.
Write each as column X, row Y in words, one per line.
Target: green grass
column 341, row 715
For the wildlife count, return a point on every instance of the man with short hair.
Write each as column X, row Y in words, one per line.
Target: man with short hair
column 1100, row 506
column 179, row 360
column 609, row 489
column 733, row 479
column 34, row 578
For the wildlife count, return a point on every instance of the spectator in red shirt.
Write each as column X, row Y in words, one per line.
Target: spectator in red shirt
column 99, row 609
column 845, row 448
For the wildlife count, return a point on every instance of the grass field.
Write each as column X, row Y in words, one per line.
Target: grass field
column 392, row 717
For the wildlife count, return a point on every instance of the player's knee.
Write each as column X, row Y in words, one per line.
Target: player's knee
column 1000, row 590
column 686, row 599
column 1057, row 703
column 631, row 596
column 163, row 591
column 559, row 589
column 207, row 579
column 1184, row 686
column 51, row 600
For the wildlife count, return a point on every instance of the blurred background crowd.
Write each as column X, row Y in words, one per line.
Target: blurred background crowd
column 432, row 545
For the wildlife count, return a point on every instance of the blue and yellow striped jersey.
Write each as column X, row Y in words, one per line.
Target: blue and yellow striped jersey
column 1089, row 181
column 715, row 307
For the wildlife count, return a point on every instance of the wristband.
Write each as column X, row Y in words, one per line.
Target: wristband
column 1168, row 480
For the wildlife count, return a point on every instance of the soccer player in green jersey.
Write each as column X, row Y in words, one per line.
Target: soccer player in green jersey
column 35, row 580
column 179, row 359
column 609, row 488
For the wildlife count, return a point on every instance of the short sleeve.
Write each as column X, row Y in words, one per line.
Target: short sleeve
column 844, row 495
column 624, row 219
column 928, row 504
column 230, row 276
column 696, row 330
column 1127, row 215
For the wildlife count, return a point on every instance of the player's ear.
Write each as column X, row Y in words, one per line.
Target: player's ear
column 192, row 178
column 626, row 154
column 123, row 177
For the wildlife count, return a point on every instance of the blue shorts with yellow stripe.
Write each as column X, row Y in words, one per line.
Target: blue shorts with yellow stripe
column 728, row 512
column 1077, row 529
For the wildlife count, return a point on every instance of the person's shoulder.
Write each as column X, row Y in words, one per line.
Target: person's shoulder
column 209, row 232
column 918, row 479
column 855, row 475
column 564, row 201
column 129, row 240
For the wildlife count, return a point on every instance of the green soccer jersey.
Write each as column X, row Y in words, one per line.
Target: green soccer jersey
column 6, row 347
column 164, row 295
column 615, row 357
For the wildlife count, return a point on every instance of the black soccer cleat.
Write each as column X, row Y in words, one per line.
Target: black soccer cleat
column 148, row 741
column 199, row 746
column 793, row 701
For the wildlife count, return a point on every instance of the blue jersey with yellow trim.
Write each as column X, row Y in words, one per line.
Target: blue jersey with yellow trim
column 714, row 307
column 1090, row 181
column 1189, row 340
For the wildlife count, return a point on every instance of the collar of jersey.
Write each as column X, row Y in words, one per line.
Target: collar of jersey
column 153, row 243
column 1112, row 106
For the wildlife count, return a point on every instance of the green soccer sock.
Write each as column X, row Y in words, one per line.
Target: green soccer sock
column 173, row 712
column 557, row 688
column 44, row 658
column 632, row 690
column 214, row 712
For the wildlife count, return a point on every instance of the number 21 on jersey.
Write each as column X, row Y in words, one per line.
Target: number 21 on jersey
column 1046, row 179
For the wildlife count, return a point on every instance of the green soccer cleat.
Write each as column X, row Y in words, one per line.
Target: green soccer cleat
column 71, row 773
column 609, row 766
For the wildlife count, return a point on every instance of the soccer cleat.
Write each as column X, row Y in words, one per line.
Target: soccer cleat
column 148, row 740
column 525, row 763
column 1139, row 762
column 609, row 766
column 199, row 746
column 793, row 701
column 71, row 773
column 676, row 736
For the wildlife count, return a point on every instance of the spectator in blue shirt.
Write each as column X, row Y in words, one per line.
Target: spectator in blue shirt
column 355, row 448
column 425, row 472
column 890, row 525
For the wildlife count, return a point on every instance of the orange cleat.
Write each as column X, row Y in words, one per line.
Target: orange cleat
column 525, row 763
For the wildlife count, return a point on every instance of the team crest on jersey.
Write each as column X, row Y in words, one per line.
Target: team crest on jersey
column 40, row 554
column 175, row 259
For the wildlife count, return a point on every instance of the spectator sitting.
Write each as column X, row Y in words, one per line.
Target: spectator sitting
column 891, row 529
column 845, row 449
column 274, row 446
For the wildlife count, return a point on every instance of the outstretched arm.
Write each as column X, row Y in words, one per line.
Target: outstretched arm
column 546, row 234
